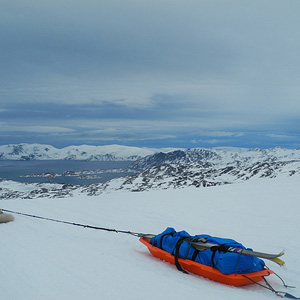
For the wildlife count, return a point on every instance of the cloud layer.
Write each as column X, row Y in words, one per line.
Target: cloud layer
column 192, row 73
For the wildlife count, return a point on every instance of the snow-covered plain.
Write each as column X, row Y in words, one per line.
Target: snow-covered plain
column 47, row 260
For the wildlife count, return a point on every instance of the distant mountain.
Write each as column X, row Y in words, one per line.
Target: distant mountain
column 205, row 167
column 83, row 152
column 219, row 156
column 162, row 170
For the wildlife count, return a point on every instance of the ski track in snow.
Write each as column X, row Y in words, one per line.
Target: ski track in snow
column 48, row 260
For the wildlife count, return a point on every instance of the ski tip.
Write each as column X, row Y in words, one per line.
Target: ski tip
column 281, row 253
column 278, row 261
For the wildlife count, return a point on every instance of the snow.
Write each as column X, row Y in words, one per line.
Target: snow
column 48, row 260
column 82, row 152
column 119, row 152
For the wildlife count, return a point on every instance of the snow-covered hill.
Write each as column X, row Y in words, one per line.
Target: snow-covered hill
column 205, row 167
column 219, row 156
column 83, row 152
column 48, row 260
column 177, row 169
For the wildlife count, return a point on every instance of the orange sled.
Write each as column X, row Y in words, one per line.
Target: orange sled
column 206, row 271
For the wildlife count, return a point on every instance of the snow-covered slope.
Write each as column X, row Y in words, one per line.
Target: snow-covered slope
column 83, row 152
column 47, row 260
column 219, row 156
column 210, row 167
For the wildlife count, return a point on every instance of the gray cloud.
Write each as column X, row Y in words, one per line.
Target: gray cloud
column 158, row 69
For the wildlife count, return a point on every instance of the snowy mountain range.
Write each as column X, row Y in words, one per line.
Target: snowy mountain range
column 206, row 167
column 171, row 169
column 83, row 152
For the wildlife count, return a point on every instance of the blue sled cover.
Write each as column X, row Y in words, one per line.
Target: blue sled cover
column 225, row 262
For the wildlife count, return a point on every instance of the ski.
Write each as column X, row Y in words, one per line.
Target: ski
column 201, row 245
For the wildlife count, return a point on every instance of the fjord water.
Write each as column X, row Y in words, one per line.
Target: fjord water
column 14, row 170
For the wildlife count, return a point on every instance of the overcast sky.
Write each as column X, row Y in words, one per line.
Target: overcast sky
column 153, row 73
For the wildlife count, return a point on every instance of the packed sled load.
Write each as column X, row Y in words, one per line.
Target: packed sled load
column 218, row 257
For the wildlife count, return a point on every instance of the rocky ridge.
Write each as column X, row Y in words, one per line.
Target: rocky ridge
column 205, row 168
column 177, row 169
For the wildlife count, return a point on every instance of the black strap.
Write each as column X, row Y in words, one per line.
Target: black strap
column 221, row 248
column 195, row 255
column 176, row 254
column 161, row 238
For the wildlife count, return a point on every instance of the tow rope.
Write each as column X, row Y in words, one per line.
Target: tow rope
column 137, row 234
